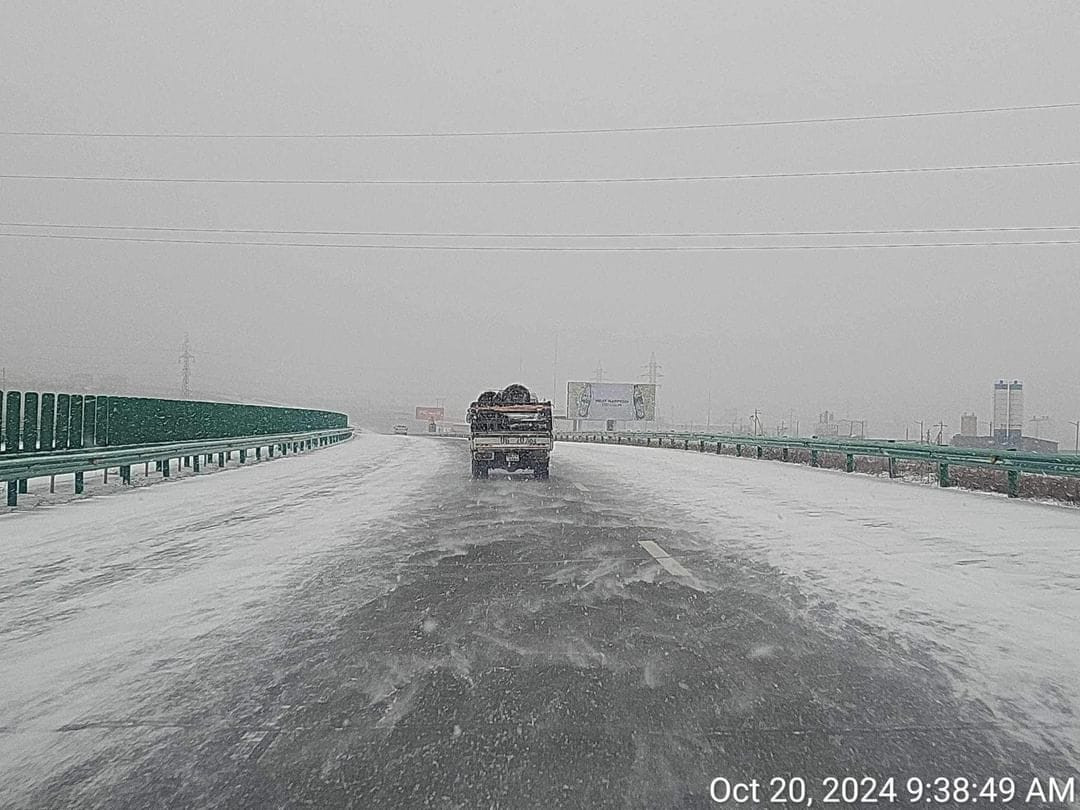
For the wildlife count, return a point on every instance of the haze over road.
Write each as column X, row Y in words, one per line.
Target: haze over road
column 367, row 626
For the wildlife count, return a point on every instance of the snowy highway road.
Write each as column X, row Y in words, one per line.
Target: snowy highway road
column 366, row 626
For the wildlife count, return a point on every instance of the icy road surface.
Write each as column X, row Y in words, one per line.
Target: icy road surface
column 367, row 626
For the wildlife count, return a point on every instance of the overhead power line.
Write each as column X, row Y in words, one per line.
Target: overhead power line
column 544, row 248
column 547, row 235
column 510, row 133
column 541, row 180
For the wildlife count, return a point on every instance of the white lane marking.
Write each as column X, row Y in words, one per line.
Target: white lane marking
column 669, row 563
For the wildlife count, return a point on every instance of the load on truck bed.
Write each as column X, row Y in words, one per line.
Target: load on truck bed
column 510, row 430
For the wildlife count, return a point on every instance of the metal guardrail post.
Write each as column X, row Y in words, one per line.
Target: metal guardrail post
column 686, row 444
column 270, row 451
column 196, row 462
column 892, row 467
column 166, row 468
column 813, row 458
column 701, row 446
column 80, row 484
column 221, row 459
column 125, row 473
column 243, row 456
column 784, row 455
column 849, row 465
column 258, row 453
column 759, row 452
column 12, row 493
column 719, row 447
column 1014, row 483
column 738, row 450
column 943, row 475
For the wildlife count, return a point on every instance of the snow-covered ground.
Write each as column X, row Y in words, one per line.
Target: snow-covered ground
column 96, row 594
column 992, row 585
column 109, row 603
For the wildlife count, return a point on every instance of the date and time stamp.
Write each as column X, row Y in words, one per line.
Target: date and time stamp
column 913, row 791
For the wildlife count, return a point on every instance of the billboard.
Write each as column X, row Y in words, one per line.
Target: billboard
column 430, row 414
column 626, row 402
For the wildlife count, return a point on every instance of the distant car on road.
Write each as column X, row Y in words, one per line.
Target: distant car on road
column 401, row 430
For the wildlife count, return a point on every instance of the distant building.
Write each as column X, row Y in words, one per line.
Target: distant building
column 1008, row 422
column 827, row 425
column 969, row 425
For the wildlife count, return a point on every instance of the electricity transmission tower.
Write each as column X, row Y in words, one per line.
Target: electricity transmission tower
column 185, row 368
column 652, row 370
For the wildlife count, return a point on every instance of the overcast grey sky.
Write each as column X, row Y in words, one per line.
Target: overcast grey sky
column 887, row 335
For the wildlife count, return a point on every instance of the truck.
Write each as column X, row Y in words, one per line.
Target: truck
column 510, row 430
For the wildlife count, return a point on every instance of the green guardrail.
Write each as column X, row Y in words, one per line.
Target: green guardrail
column 39, row 431
column 1013, row 463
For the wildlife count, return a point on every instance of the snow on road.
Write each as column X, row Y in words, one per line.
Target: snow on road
column 991, row 585
column 96, row 594
column 109, row 605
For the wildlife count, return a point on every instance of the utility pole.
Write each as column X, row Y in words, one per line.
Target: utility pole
column 755, row 419
column 708, row 409
column 185, row 368
column 1076, row 424
column 652, row 374
column 555, row 371
column 941, row 430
